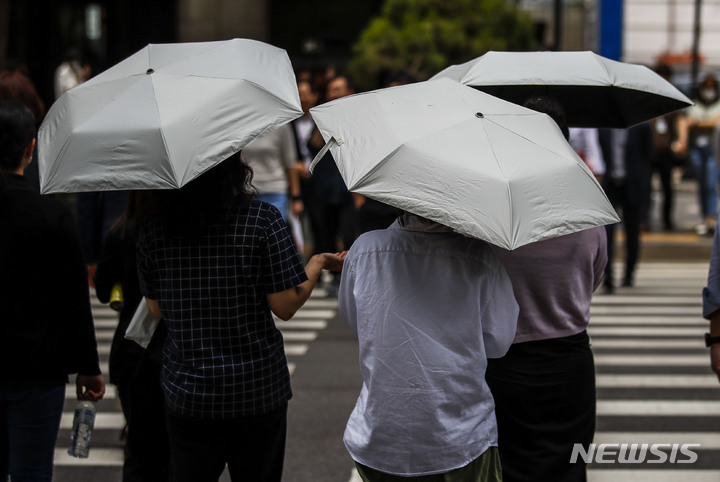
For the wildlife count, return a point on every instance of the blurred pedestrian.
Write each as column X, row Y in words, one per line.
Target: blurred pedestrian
column 134, row 370
column 429, row 307
column 585, row 142
column 71, row 72
column 273, row 159
column 334, row 205
column 695, row 137
column 544, row 388
column 46, row 325
column 627, row 155
column 216, row 264
column 96, row 214
column 662, row 161
column 303, row 128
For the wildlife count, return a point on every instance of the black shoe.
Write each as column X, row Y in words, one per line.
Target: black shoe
column 627, row 282
column 608, row 287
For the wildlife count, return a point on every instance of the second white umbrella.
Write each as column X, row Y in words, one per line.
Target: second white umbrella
column 465, row 159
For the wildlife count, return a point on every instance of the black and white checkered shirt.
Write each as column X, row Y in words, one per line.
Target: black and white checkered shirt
column 224, row 357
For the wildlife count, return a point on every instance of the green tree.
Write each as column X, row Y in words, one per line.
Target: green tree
column 421, row 37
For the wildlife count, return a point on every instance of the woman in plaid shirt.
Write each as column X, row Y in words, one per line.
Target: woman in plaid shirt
column 215, row 263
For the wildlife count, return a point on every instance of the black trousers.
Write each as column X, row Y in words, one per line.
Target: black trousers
column 252, row 447
column 148, row 453
column 544, row 395
column 662, row 163
column 629, row 205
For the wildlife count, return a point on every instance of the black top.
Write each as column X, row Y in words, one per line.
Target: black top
column 46, row 325
column 224, row 357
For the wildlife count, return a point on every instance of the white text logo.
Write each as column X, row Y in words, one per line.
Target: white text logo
column 635, row 453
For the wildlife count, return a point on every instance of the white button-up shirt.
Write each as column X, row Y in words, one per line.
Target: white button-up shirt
column 429, row 307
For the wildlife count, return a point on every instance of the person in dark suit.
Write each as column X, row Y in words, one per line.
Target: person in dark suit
column 627, row 156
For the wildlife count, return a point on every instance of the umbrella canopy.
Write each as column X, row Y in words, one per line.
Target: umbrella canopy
column 165, row 115
column 465, row 159
column 595, row 91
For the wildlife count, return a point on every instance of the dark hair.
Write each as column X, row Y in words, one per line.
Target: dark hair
column 664, row 70
column 191, row 209
column 17, row 130
column 349, row 82
column 551, row 107
column 16, row 86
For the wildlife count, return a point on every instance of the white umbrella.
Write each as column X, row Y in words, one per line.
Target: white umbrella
column 595, row 91
column 457, row 156
column 165, row 115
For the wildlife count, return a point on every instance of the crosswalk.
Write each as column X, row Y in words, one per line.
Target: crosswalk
column 654, row 383
column 106, row 455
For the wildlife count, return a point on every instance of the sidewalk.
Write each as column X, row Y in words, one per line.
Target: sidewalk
column 683, row 243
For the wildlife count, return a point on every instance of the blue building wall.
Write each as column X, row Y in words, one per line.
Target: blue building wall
column 611, row 29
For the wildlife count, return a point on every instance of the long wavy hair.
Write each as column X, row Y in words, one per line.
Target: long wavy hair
column 201, row 202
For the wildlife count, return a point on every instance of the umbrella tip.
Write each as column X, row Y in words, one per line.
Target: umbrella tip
column 479, row 115
column 149, row 71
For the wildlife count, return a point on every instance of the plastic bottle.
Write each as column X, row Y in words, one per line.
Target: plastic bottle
column 82, row 429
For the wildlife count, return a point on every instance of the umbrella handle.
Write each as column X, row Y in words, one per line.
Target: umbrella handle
column 331, row 142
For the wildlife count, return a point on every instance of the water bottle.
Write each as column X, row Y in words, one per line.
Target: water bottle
column 81, row 433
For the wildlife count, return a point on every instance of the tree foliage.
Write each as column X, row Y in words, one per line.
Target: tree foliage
column 421, row 37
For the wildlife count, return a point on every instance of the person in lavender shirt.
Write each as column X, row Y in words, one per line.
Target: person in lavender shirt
column 544, row 388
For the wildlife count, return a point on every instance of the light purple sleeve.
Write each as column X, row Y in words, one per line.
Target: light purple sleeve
column 601, row 257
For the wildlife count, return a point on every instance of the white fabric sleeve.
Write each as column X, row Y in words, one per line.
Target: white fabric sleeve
column 499, row 320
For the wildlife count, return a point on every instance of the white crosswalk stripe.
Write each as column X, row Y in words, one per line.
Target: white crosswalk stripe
column 107, row 451
column 653, row 377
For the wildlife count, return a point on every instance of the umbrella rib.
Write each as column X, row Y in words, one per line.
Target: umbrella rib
column 587, row 172
column 509, row 191
column 282, row 101
column 162, row 133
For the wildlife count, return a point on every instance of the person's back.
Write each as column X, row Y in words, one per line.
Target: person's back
column 42, row 261
column 429, row 306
